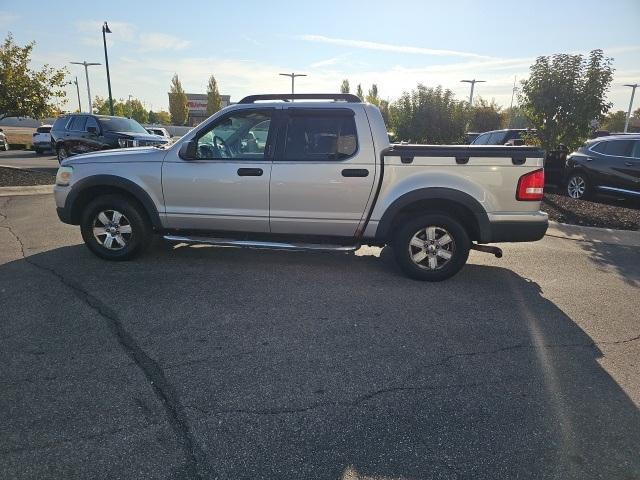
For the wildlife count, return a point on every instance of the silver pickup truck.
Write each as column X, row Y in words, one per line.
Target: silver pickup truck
column 306, row 172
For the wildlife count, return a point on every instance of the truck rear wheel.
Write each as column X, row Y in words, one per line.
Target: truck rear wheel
column 115, row 228
column 433, row 247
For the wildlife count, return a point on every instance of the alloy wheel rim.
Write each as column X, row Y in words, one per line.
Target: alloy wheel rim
column 112, row 230
column 431, row 248
column 576, row 187
column 62, row 153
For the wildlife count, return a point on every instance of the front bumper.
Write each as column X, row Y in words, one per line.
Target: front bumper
column 63, row 209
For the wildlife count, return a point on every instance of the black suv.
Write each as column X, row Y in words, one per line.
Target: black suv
column 82, row 133
column 506, row 136
column 606, row 164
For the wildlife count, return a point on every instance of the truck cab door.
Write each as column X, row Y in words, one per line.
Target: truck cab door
column 323, row 171
column 226, row 186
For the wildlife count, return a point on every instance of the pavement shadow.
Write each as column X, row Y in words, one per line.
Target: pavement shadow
column 292, row 365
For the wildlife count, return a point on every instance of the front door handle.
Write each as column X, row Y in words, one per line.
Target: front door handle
column 355, row 172
column 250, row 172
column 628, row 164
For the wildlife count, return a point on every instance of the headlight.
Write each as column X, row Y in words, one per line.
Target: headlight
column 63, row 177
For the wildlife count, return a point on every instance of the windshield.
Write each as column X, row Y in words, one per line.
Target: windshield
column 121, row 124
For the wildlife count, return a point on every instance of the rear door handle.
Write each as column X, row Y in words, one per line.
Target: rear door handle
column 250, row 172
column 355, row 172
column 628, row 164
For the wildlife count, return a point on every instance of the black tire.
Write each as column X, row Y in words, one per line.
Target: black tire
column 38, row 151
column 133, row 215
column 62, row 153
column 578, row 186
column 442, row 225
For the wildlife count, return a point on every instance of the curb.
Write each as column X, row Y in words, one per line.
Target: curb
column 30, row 190
column 579, row 233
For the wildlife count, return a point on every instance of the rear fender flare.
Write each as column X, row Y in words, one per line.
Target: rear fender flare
column 435, row 193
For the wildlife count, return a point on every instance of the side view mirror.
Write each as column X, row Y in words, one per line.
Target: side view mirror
column 92, row 130
column 188, row 150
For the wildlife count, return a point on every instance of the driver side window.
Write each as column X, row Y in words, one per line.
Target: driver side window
column 241, row 135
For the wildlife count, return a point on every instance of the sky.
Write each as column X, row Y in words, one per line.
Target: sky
column 395, row 45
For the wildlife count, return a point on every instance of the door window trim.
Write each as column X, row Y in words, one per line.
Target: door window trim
column 268, row 152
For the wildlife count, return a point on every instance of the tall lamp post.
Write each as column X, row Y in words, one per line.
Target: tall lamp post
column 105, row 30
column 75, row 82
column 86, row 73
column 473, row 84
column 293, row 77
column 633, row 93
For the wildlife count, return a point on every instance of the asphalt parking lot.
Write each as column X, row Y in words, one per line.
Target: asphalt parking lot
column 200, row 362
column 28, row 159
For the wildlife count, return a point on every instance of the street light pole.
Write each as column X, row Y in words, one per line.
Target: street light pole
column 75, row 82
column 293, row 76
column 86, row 73
column 105, row 30
column 633, row 93
column 473, row 84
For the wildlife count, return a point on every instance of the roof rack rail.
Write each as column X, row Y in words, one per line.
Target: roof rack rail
column 286, row 97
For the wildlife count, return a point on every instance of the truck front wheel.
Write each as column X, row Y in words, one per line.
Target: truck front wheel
column 433, row 247
column 115, row 227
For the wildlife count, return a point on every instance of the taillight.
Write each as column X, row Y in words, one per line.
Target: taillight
column 531, row 186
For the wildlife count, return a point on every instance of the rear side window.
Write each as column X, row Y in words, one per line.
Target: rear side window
column 482, row 139
column 320, row 136
column 616, row 148
column 43, row 129
column 497, row 138
column 60, row 123
column 91, row 122
column 77, row 123
column 636, row 149
column 619, row 148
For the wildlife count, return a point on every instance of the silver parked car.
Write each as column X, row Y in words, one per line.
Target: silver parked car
column 311, row 176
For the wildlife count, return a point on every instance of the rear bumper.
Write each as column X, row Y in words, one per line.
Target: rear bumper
column 517, row 228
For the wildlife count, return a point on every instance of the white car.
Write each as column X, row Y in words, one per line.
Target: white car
column 158, row 131
column 4, row 144
column 42, row 139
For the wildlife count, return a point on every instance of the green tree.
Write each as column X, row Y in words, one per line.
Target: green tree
column 164, row 118
column 428, row 115
column 135, row 109
column 384, row 110
column 25, row 92
column 153, row 117
column 213, row 96
column 359, row 93
column 344, row 88
column 614, row 121
column 484, row 116
column 178, row 102
column 101, row 107
column 372, row 95
column 513, row 117
column 564, row 94
column 636, row 113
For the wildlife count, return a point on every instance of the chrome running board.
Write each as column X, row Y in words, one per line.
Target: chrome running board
column 225, row 242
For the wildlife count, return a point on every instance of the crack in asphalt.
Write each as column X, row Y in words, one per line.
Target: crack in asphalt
column 339, row 403
column 195, row 459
